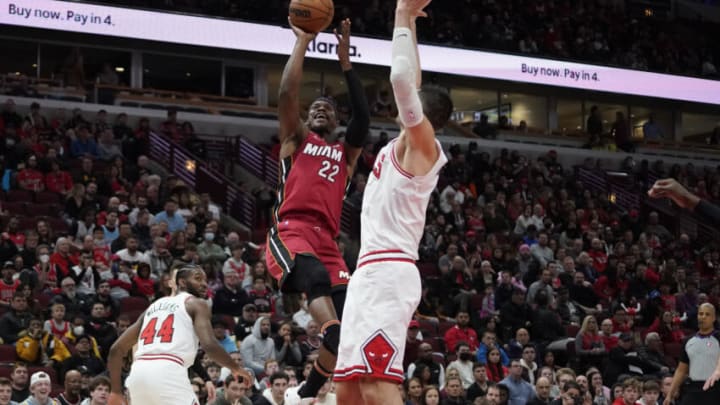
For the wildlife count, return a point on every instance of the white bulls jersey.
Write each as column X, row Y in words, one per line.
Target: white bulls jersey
column 394, row 205
column 168, row 333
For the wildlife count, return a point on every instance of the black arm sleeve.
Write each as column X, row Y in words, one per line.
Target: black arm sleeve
column 359, row 124
column 709, row 212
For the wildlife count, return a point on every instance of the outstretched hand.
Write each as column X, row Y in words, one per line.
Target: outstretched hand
column 300, row 33
column 414, row 7
column 241, row 373
column 343, row 38
column 670, row 188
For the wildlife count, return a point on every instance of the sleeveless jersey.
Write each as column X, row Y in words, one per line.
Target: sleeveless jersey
column 167, row 332
column 395, row 204
column 313, row 182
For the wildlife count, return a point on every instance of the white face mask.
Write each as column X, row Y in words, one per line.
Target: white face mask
column 78, row 330
column 44, row 259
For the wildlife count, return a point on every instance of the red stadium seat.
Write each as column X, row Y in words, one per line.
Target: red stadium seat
column 14, row 207
column 444, row 326
column 20, row 196
column 572, row 330
column 429, row 327
column 673, row 350
column 7, row 353
column 47, row 197
column 476, row 302
column 133, row 304
column 428, row 270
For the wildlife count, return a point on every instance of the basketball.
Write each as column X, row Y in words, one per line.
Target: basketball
column 311, row 15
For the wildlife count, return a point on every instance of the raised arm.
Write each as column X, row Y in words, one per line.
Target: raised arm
column 291, row 127
column 405, row 76
column 358, row 126
column 118, row 350
column 200, row 313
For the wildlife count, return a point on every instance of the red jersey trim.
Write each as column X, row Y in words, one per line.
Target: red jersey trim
column 378, row 252
column 395, row 163
column 386, row 259
column 169, row 357
column 356, row 372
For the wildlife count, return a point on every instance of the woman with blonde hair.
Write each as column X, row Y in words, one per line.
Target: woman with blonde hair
column 589, row 345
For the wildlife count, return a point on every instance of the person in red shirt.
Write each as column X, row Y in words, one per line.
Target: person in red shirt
column 7, row 284
column 461, row 333
column 606, row 333
column 62, row 259
column 598, row 254
column 142, row 284
column 58, row 181
column 30, row 178
column 622, row 323
column 14, row 233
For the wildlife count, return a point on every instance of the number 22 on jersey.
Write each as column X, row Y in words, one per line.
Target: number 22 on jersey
column 328, row 171
column 165, row 333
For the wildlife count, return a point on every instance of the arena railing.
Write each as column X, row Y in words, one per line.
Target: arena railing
column 199, row 175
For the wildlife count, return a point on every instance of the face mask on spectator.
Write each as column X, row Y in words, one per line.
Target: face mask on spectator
column 78, row 330
column 44, row 258
column 209, row 236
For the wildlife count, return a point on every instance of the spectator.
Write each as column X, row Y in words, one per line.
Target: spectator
column 30, row 178
column 16, row 320
column 461, row 332
column 258, row 346
column 621, row 133
column 175, row 221
column 58, row 180
column 542, row 392
column 496, row 371
column 569, row 394
column 19, row 380
column 480, row 386
column 72, row 394
column 287, row 348
column 262, row 297
column 84, row 356
column 436, row 371
column 630, row 392
column 100, row 328
column 211, row 254
column 463, row 364
column 220, row 330
column 107, row 149
column 231, row 298
column 8, row 284
column 99, row 389
column 57, row 325
column 541, row 252
column 651, row 130
column 454, row 392
column 40, row 388
column 528, row 362
column 6, row 392
column 246, row 323
column 520, row 390
column 84, row 145
column 39, row 347
column 594, row 127
column 233, row 393
column 276, row 393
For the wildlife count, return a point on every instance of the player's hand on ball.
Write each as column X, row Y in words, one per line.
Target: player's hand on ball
column 300, row 33
column 414, row 7
column 116, row 399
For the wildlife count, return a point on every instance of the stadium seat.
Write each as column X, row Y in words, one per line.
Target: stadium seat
column 7, row 353
column 133, row 304
column 47, row 197
column 20, row 195
column 572, row 330
column 437, row 343
column 476, row 302
column 673, row 350
column 42, row 210
column 444, row 326
column 14, row 207
column 428, row 326
column 428, row 270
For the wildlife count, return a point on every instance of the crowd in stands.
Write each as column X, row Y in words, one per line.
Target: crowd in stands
column 596, row 31
column 534, row 287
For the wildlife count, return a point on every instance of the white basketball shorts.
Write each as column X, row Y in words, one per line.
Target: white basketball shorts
column 159, row 381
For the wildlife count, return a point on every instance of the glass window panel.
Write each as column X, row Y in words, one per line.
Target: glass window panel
column 471, row 103
column 524, row 107
column 569, row 116
column 175, row 73
column 20, row 57
column 651, row 123
column 239, row 82
column 698, row 126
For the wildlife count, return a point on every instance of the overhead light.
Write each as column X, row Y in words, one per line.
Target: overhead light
column 188, row 74
column 34, row 65
column 190, row 165
column 119, row 69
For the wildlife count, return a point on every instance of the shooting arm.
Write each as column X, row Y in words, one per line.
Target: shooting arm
column 358, row 126
column 289, row 98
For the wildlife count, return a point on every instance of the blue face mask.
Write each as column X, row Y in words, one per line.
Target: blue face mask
column 209, row 236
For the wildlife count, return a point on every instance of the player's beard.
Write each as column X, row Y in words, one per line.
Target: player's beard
column 264, row 335
column 197, row 292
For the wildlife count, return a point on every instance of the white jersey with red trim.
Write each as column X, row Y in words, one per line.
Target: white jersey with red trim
column 394, row 207
column 168, row 332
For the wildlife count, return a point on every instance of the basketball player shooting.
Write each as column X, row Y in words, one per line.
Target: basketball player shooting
column 385, row 288
column 167, row 336
column 301, row 252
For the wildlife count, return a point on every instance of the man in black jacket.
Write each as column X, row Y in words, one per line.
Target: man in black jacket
column 624, row 359
column 16, row 320
column 231, row 298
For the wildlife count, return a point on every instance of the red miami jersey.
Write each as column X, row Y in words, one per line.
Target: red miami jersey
column 313, row 183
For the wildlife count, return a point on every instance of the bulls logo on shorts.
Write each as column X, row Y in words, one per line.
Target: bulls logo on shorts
column 379, row 353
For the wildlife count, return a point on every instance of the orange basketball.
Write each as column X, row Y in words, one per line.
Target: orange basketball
column 311, row 15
